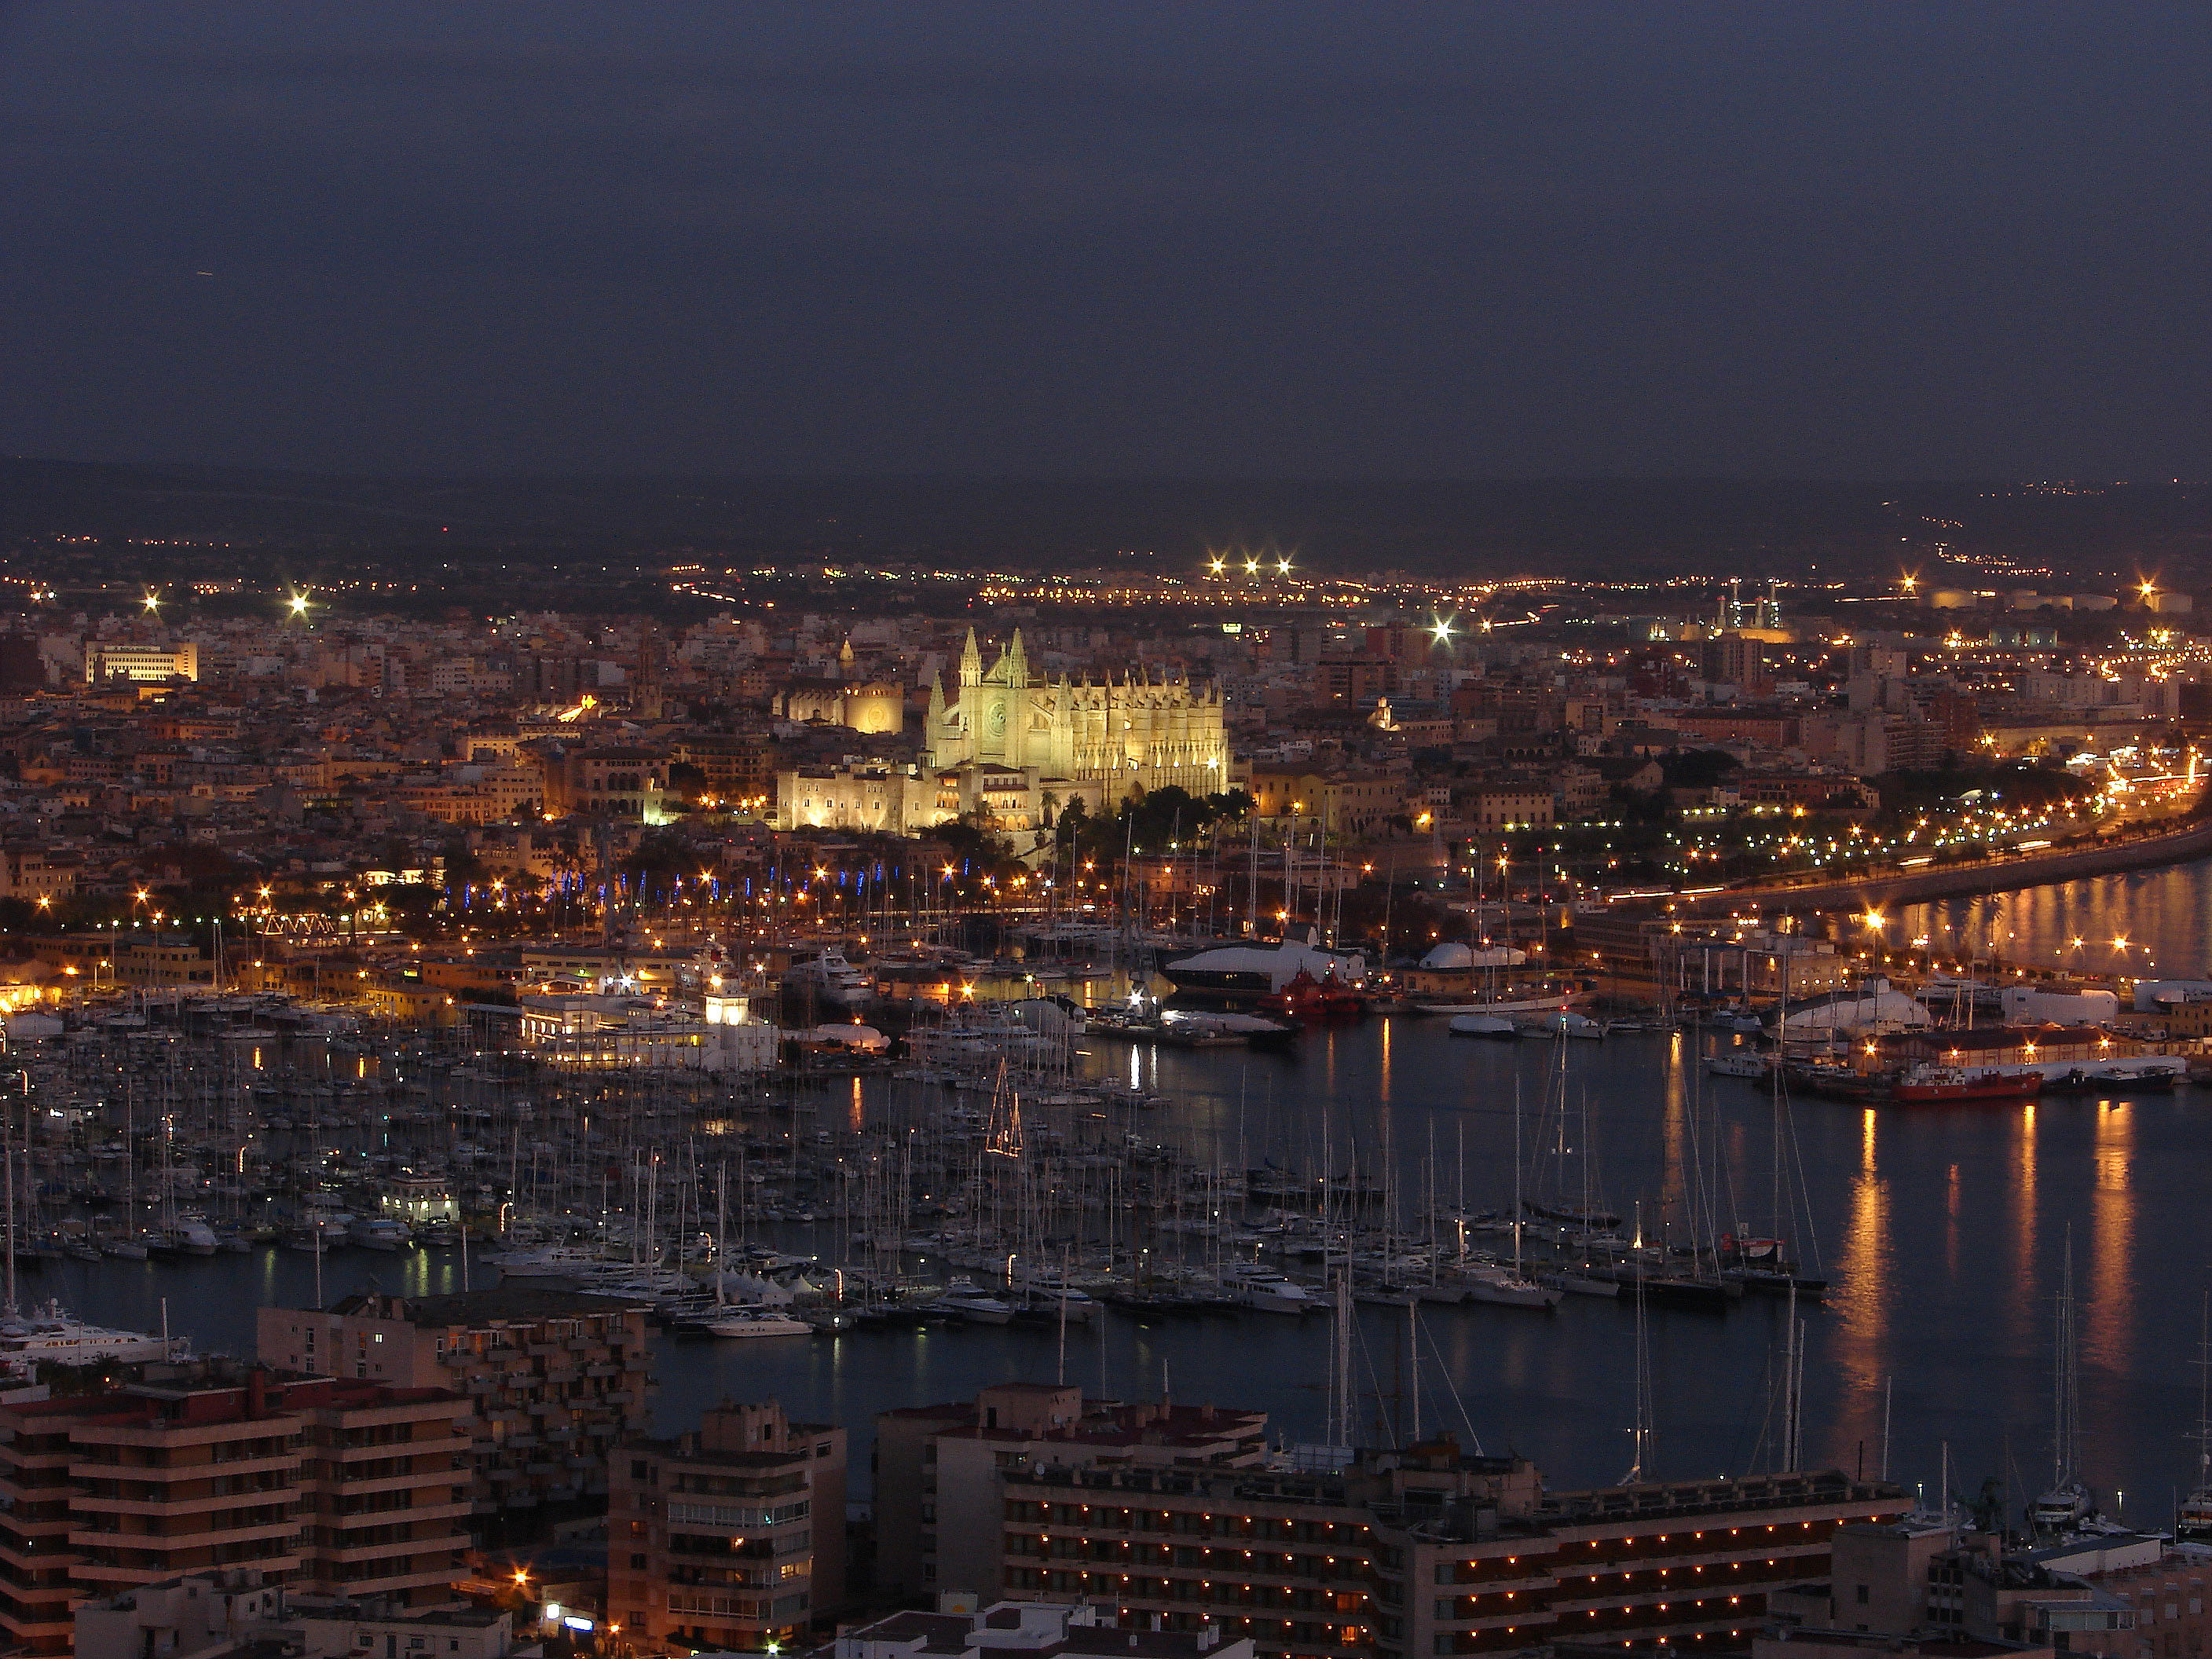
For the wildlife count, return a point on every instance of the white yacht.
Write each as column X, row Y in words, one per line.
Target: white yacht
column 189, row 1235
column 552, row 1262
column 1270, row 1292
column 834, row 979
column 976, row 1306
column 52, row 1336
column 1506, row 1287
column 381, row 1233
column 747, row 1322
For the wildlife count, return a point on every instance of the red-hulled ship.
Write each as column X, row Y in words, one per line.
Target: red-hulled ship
column 1930, row 1086
column 1308, row 998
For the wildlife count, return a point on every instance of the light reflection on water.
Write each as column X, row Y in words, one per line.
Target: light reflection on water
column 1862, row 1302
column 2159, row 913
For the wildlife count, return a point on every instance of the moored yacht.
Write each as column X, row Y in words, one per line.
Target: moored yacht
column 976, row 1306
column 833, row 979
column 1270, row 1292
column 52, row 1336
column 746, row 1322
column 1247, row 972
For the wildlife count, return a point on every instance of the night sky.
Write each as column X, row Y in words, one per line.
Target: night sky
column 1045, row 239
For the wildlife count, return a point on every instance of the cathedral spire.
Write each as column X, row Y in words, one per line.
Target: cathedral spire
column 971, row 662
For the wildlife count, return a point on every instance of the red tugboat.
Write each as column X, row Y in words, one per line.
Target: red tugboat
column 1308, row 998
column 1929, row 1085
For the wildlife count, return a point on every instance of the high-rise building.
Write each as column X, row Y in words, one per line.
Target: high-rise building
column 937, row 1469
column 554, row 1378
column 732, row 1537
column 1400, row 1554
column 347, row 1488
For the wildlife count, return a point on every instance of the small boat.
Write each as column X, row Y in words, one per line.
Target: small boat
column 1738, row 1062
column 2156, row 1078
column 1579, row 1284
column 1505, row 1289
column 1563, row 1022
column 1308, row 998
column 1483, row 1025
column 1270, row 1292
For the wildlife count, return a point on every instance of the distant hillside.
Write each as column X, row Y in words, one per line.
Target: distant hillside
column 1635, row 529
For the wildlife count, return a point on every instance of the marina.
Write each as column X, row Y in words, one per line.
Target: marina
column 1145, row 1216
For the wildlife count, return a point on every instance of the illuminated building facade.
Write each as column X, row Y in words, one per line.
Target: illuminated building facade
column 1137, row 734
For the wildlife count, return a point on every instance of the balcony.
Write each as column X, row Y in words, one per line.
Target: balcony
column 167, row 1543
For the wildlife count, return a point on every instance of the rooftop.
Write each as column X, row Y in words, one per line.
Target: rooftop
column 472, row 1308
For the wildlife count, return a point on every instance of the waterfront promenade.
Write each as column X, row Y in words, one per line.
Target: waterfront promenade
column 1887, row 887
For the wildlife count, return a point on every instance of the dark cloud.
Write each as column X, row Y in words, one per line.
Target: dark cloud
column 1450, row 240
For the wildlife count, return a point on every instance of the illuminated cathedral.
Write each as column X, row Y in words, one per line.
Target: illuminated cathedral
column 1134, row 734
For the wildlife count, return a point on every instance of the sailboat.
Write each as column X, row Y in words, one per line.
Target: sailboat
column 2068, row 1503
column 1513, row 1288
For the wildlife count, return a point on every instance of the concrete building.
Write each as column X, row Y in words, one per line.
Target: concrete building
column 555, row 1378
column 301, row 1479
column 938, row 1468
column 1380, row 1554
column 142, row 665
column 733, row 1537
column 1926, row 1577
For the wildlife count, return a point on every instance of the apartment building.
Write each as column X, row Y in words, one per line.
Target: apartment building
column 937, row 1469
column 731, row 1537
column 1376, row 1555
column 1681, row 1565
column 554, row 1379
column 2114, row 1594
column 309, row 1480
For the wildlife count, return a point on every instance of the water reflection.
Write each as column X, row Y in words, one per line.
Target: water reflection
column 2018, row 1306
column 1863, row 1298
column 2080, row 925
column 2108, row 1297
